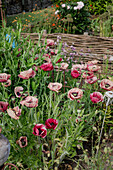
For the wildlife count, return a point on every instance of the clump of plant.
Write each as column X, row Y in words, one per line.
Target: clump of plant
column 76, row 16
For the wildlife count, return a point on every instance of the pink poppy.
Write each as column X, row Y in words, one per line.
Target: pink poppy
column 14, row 113
column 7, row 83
column 79, row 67
column 55, row 86
column 40, row 130
column 51, row 123
column 75, row 73
column 4, row 77
column 22, row 142
column 96, row 97
column 93, row 62
column 50, row 42
column 92, row 67
column 30, row 101
column 47, row 67
column 75, row 93
column 3, row 106
column 64, row 66
column 91, row 80
column 27, row 74
column 106, row 84
column 18, row 91
column 88, row 75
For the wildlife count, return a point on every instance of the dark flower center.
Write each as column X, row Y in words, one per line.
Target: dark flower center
column 52, row 124
column 107, row 85
column 75, row 94
column 40, row 131
column 23, row 142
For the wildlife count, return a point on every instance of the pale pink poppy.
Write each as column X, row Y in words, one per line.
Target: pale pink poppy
column 96, row 97
column 55, row 86
column 79, row 67
column 30, row 101
column 14, row 113
column 18, row 91
column 22, row 142
column 27, row 74
column 92, row 67
column 7, row 83
column 4, row 77
column 75, row 93
column 106, row 84
column 91, row 80
column 64, row 66
column 88, row 75
column 50, row 42
column 93, row 62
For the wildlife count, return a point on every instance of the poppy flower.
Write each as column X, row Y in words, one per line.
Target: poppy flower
column 51, row 123
column 75, row 93
column 106, row 84
column 75, row 73
column 18, row 91
column 30, row 101
column 55, row 86
column 40, row 130
column 60, row 59
column 79, row 67
column 22, row 142
column 96, row 97
column 14, row 113
column 50, row 42
column 3, row 106
column 88, row 75
column 4, row 77
column 91, row 80
column 93, row 62
column 27, row 74
column 7, row 83
column 47, row 67
column 48, row 60
column 64, row 66
column 92, row 67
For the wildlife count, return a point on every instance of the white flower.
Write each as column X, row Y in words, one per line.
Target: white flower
column 68, row 7
column 56, row 12
column 75, row 8
column 63, row 5
column 80, row 5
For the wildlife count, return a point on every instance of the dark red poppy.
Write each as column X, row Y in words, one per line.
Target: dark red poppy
column 51, row 123
column 75, row 73
column 59, row 60
column 3, row 106
column 47, row 67
column 40, row 130
column 96, row 97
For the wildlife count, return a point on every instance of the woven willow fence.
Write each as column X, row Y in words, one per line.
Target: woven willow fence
column 87, row 47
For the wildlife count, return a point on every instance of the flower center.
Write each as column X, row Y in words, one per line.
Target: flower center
column 23, row 142
column 107, row 85
column 52, row 124
column 40, row 131
column 75, row 94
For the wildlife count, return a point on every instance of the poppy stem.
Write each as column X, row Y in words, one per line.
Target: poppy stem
column 28, row 87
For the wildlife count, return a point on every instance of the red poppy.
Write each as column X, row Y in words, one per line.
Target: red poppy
column 27, row 74
column 75, row 73
column 47, row 67
column 75, row 93
column 4, row 77
column 55, row 86
column 51, row 123
column 22, row 141
column 3, row 106
column 57, row 6
column 40, row 130
column 59, row 60
column 106, row 84
column 30, row 101
column 96, row 97
column 53, row 24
